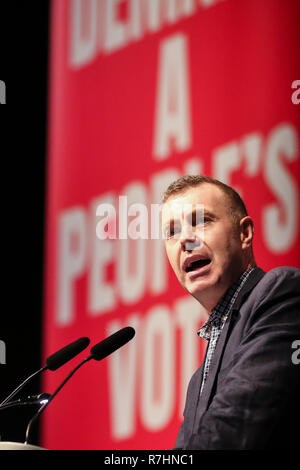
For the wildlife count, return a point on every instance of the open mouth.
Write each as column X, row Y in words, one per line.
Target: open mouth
column 200, row 263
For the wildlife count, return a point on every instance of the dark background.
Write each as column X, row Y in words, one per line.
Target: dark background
column 24, row 68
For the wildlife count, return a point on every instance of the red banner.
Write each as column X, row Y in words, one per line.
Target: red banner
column 141, row 92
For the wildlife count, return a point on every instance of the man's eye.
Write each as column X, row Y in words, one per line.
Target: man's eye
column 172, row 231
column 199, row 220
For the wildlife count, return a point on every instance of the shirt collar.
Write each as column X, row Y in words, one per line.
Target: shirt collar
column 221, row 310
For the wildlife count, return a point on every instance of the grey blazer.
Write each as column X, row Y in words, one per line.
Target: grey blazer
column 251, row 398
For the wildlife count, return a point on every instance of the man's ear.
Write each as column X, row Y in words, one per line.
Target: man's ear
column 246, row 232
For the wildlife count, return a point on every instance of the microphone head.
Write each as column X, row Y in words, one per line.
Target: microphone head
column 112, row 343
column 59, row 358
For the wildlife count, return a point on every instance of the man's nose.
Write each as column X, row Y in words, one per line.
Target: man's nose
column 189, row 240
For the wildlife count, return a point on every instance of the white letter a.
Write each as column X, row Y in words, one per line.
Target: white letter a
column 172, row 107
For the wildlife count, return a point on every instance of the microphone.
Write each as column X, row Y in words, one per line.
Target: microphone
column 53, row 362
column 98, row 352
column 59, row 358
column 112, row 343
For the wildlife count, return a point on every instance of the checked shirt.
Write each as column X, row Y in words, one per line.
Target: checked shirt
column 212, row 328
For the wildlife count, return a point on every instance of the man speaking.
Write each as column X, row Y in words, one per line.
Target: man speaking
column 245, row 395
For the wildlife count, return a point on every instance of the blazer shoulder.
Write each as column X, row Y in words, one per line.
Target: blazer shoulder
column 278, row 282
column 283, row 275
column 285, row 271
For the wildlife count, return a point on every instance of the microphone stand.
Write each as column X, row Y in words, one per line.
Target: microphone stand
column 37, row 400
column 55, row 361
column 22, row 385
column 42, row 408
column 98, row 352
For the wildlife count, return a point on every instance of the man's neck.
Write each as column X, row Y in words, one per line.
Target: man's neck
column 209, row 302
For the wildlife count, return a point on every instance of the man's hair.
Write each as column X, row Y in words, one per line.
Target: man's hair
column 237, row 207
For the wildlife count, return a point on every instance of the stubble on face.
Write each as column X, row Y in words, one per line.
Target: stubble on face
column 213, row 248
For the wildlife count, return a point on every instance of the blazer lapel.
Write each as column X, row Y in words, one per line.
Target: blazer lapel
column 254, row 277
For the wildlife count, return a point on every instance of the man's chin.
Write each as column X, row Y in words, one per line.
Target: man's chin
column 199, row 286
column 204, row 288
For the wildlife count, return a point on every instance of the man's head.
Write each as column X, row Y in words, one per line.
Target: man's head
column 207, row 253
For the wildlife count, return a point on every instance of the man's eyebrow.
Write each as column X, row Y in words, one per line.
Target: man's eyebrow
column 206, row 213
column 209, row 214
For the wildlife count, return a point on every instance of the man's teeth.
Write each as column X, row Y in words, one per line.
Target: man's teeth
column 197, row 264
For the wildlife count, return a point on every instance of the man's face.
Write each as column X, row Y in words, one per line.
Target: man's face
column 205, row 253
